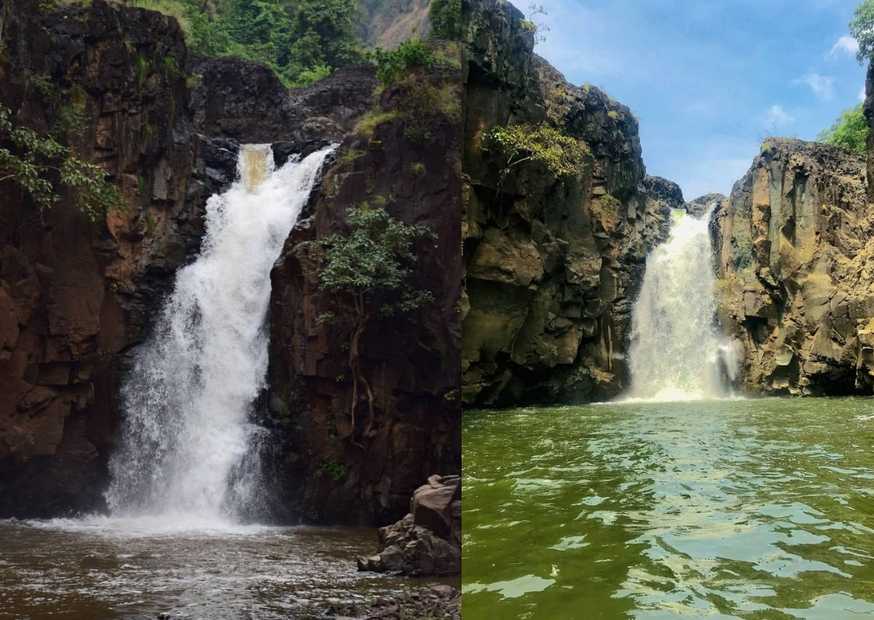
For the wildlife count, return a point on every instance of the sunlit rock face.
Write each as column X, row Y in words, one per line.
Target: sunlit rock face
column 795, row 262
column 553, row 267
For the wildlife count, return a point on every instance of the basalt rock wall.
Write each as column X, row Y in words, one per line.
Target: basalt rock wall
column 795, row 258
column 403, row 155
column 77, row 297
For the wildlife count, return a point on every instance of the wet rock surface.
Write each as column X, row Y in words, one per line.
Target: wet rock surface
column 427, row 541
column 441, row 602
column 795, row 245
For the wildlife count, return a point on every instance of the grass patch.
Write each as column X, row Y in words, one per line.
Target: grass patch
column 370, row 121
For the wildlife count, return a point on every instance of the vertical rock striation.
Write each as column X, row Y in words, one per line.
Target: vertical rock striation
column 402, row 155
column 552, row 266
column 795, row 258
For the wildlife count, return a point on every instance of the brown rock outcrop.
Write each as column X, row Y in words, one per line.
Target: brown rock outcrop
column 795, row 246
column 427, row 541
column 403, row 156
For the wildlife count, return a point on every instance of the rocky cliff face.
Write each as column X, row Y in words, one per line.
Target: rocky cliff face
column 795, row 255
column 552, row 266
column 402, row 155
column 76, row 297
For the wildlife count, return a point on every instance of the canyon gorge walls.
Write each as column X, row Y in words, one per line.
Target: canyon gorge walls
column 77, row 297
column 553, row 264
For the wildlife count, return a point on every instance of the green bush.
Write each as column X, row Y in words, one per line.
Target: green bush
column 367, row 272
column 850, row 131
column 39, row 164
column 393, row 65
column 561, row 155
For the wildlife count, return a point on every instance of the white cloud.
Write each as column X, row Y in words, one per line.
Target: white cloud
column 821, row 85
column 844, row 45
column 862, row 93
column 777, row 117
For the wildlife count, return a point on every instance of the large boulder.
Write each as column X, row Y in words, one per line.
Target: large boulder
column 427, row 541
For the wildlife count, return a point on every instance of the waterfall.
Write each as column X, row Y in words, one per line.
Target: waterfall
column 187, row 445
column 676, row 352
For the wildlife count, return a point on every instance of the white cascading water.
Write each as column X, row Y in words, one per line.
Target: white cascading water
column 188, row 448
column 676, row 352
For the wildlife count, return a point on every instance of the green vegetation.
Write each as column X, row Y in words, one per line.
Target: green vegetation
column 561, row 155
column 301, row 40
column 336, row 471
column 446, row 18
column 862, row 28
column 370, row 121
column 367, row 272
column 41, row 165
column 393, row 65
column 850, row 131
column 528, row 25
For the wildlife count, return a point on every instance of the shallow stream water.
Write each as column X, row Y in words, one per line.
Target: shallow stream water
column 722, row 509
column 114, row 568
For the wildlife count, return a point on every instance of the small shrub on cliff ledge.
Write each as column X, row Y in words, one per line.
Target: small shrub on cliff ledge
column 850, row 131
column 393, row 65
column 38, row 164
column 367, row 272
column 561, row 155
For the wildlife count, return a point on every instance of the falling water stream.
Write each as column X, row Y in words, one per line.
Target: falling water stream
column 188, row 449
column 676, row 352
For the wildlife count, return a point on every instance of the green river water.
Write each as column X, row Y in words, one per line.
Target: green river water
column 720, row 509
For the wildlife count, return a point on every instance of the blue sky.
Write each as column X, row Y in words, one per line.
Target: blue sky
column 709, row 79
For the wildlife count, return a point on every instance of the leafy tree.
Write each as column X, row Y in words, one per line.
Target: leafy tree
column 446, row 18
column 850, row 131
column 39, row 163
column 301, row 40
column 862, row 28
column 367, row 272
column 561, row 155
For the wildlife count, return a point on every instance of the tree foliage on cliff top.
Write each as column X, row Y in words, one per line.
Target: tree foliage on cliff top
column 849, row 131
column 862, row 29
column 301, row 40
